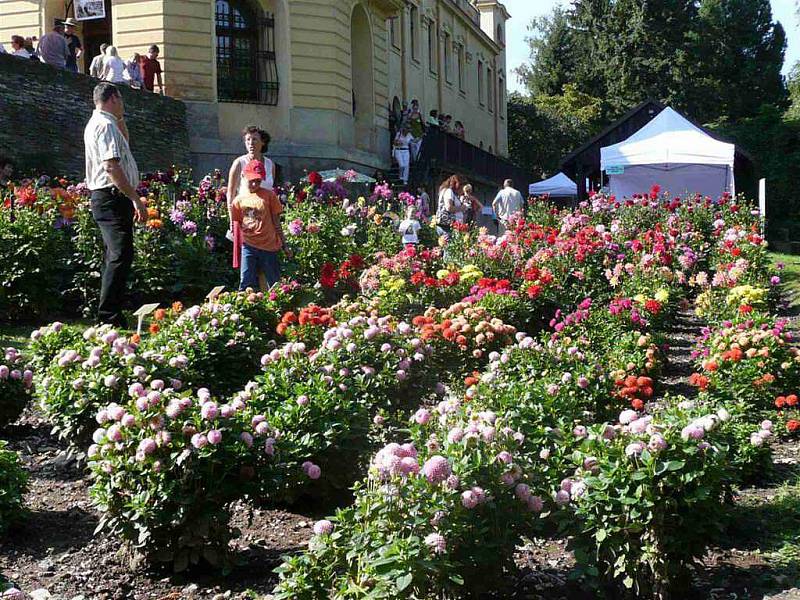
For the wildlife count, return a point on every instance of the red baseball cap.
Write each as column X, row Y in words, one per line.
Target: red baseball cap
column 255, row 170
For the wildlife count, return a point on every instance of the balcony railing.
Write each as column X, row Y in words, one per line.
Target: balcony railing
column 441, row 151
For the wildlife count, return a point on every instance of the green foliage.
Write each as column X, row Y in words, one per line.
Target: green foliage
column 546, row 127
column 694, row 56
column 13, row 485
column 15, row 385
column 163, row 495
column 441, row 532
column 33, row 255
column 646, row 498
column 773, row 140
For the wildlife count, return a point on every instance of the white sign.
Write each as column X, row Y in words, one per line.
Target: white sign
column 142, row 312
column 212, row 295
column 86, row 10
column 615, row 170
column 762, row 201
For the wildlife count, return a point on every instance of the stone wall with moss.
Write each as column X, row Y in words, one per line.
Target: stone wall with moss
column 43, row 111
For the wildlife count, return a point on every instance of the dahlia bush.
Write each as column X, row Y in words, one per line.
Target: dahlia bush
column 748, row 364
column 211, row 342
column 438, row 515
column 47, row 341
column 165, row 464
column 645, row 495
column 509, row 385
column 13, row 485
column 16, row 381
column 324, row 413
column 83, row 376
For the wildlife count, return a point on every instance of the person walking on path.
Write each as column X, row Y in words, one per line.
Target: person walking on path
column 507, row 203
column 73, row 43
column 151, row 70
column 258, row 214
column 112, row 177
column 53, row 49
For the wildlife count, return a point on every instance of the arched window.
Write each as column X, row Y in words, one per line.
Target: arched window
column 500, row 34
column 246, row 62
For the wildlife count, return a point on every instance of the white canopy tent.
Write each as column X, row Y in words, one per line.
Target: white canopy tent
column 673, row 153
column 559, row 186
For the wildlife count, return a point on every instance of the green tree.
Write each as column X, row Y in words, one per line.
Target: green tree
column 542, row 130
column 743, row 51
column 553, row 53
column 773, row 140
column 696, row 55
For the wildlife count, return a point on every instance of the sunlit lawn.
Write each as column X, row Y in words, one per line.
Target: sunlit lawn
column 790, row 275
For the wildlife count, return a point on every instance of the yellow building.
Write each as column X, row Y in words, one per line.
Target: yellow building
column 320, row 75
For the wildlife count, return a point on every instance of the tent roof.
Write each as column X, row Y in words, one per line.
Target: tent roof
column 668, row 139
column 558, row 185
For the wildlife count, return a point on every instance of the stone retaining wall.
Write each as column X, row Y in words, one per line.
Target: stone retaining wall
column 43, row 111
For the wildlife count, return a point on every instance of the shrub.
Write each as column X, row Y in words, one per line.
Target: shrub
column 16, row 381
column 34, row 255
column 324, row 408
column 437, row 516
column 13, row 485
column 87, row 374
column 165, row 465
column 211, row 342
column 748, row 364
column 646, row 496
column 47, row 341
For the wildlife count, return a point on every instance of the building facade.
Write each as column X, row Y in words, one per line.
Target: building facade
column 320, row 75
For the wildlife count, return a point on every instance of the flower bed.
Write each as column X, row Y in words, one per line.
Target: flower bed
column 483, row 391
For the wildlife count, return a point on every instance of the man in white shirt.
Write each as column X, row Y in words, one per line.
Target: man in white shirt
column 96, row 67
column 506, row 204
column 112, row 177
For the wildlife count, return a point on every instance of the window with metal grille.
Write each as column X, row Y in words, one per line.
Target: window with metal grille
column 247, row 70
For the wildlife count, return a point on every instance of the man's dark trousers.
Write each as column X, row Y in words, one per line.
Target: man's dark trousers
column 113, row 213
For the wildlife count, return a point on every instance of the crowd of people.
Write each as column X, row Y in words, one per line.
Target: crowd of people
column 254, row 209
column 61, row 48
column 458, row 205
column 408, row 127
column 112, row 178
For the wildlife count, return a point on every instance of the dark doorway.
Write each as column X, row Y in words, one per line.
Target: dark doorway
column 93, row 33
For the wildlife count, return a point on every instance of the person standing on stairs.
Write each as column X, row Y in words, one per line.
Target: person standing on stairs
column 402, row 152
column 416, row 126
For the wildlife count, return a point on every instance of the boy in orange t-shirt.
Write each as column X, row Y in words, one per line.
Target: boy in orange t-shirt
column 258, row 212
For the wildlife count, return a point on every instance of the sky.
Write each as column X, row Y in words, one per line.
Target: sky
column 522, row 11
